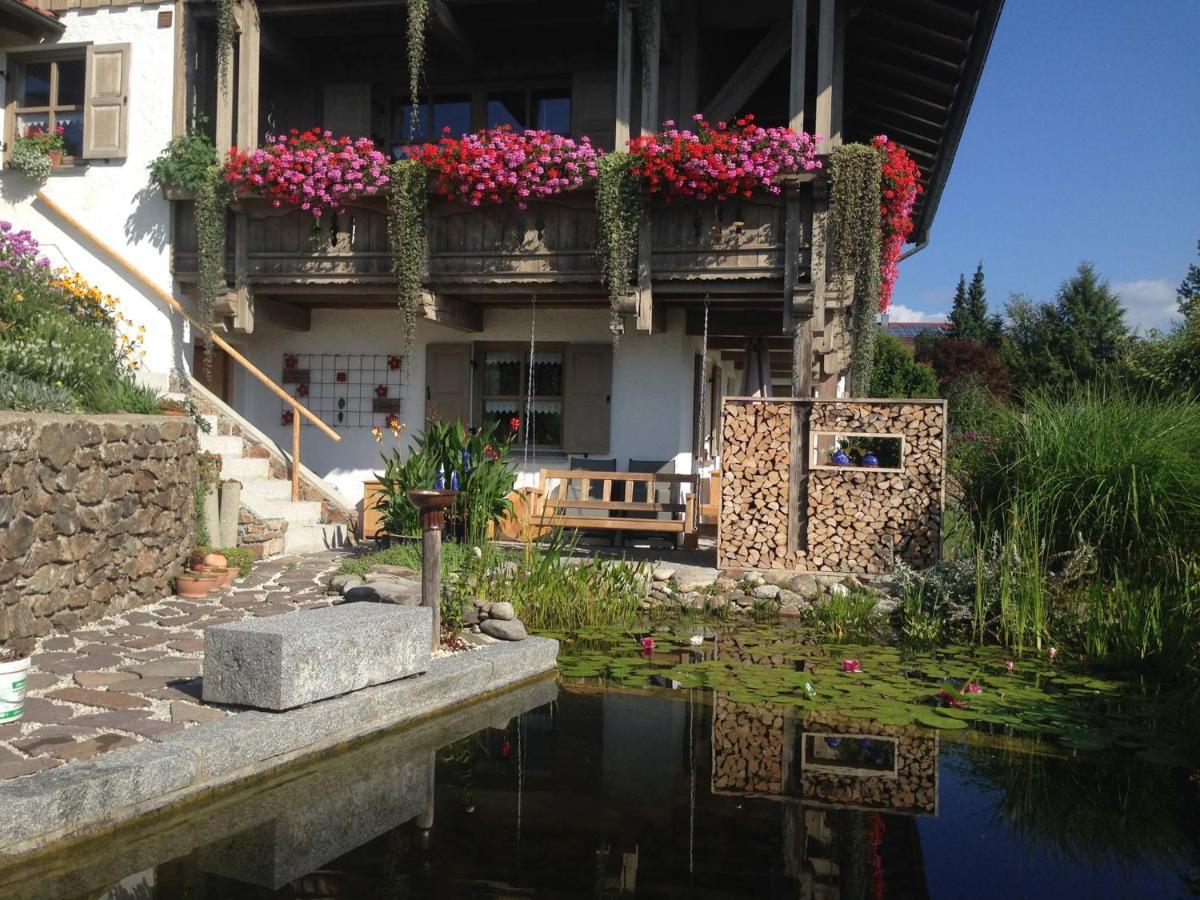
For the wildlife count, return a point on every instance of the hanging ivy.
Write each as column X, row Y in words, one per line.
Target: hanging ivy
column 647, row 18
column 212, row 202
column 408, row 203
column 619, row 202
column 418, row 21
column 856, row 171
column 226, row 32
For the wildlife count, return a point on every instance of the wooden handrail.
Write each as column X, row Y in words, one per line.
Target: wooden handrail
column 298, row 408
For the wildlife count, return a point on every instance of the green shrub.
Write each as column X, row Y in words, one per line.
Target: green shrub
column 186, row 160
column 239, row 557
column 120, row 394
column 895, row 373
column 25, row 395
column 849, row 612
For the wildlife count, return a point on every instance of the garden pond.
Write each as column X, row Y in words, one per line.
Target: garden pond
column 710, row 761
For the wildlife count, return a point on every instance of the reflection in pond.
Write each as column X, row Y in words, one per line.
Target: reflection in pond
column 674, row 789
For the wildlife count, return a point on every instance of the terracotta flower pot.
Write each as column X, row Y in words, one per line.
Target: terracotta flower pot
column 225, row 576
column 192, row 585
column 56, row 158
column 216, row 559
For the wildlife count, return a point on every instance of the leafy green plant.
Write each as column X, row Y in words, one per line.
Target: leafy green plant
column 240, row 558
column 856, row 172
column 226, row 33
column 212, row 208
column 26, row 395
column 894, row 372
column 121, row 394
column 417, row 25
column 208, row 472
column 187, row 160
column 408, row 205
column 619, row 204
column 30, row 160
column 844, row 613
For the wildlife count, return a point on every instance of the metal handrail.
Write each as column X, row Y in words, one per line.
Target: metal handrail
column 298, row 409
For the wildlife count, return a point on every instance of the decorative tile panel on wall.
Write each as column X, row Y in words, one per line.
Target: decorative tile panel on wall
column 857, row 519
column 355, row 390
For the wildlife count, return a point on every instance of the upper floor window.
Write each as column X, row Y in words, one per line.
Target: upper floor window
column 541, row 108
column 452, row 111
column 83, row 90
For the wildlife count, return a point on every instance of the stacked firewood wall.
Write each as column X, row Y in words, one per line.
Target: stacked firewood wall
column 748, row 738
column 911, row 789
column 855, row 520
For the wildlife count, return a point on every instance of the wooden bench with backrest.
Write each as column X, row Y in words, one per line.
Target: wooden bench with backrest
column 588, row 509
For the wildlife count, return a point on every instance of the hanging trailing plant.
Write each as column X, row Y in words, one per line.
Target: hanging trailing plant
column 418, row 21
column 619, row 200
column 856, row 171
column 408, row 203
column 212, row 201
column 647, row 18
column 226, row 32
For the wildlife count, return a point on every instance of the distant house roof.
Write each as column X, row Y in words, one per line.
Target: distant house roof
column 28, row 18
column 909, row 331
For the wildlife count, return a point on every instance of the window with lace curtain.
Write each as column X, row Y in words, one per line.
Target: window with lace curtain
column 506, row 383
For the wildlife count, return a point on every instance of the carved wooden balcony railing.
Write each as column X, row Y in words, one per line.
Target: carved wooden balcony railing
column 496, row 248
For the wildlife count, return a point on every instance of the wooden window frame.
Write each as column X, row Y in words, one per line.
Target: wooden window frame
column 17, row 60
column 479, row 351
column 529, row 89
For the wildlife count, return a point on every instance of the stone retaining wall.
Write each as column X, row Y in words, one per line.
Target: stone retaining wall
column 96, row 515
column 854, row 520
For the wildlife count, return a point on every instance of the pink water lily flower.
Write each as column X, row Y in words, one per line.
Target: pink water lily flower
column 1008, row 666
column 972, row 688
column 647, row 643
column 1053, row 653
column 851, row 665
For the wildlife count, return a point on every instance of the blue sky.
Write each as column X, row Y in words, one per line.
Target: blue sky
column 1083, row 143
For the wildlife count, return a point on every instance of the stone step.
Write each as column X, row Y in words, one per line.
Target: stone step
column 314, row 538
column 228, row 445
column 295, row 514
column 244, row 469
column 278, row 489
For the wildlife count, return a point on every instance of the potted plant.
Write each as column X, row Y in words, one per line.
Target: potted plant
column 194, row 584
column 14, row 670
column 38, row 150
column 170, row 407
column 225, row 575
column 185, row 163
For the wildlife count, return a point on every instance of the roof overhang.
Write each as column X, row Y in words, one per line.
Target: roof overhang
column 912, row 68
column 29, row 19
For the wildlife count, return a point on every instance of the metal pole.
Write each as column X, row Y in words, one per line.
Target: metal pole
column 431, row 567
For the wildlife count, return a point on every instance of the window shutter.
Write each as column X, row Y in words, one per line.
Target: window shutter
column 106, row 102
column 448, row 382
column 588, row 398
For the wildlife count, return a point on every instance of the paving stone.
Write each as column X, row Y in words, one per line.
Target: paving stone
column 241, row 602
column 179, row 690
column 141, row 685
column 81, row 663
column 120, row 719
column 41, row 660
column 46, row 739
column 27, row 767
column 176, row 622
column 139, row 617
column 139, row 631
column 59, row 643
column 43, row 712
column 286, row 661
column 89, row 749
column 103, row 679
column 144, row 655
column 10, row 731
column 182, row 711
column 103, row 699
column 189, row 645
column 264, row 611
column 167, row 668
column 39, row 681
column 8, row 756
column 145, row 643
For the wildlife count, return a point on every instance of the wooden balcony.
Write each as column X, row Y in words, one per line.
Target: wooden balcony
column 502, row 250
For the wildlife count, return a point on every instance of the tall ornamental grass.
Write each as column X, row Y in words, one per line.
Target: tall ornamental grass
column 1087, row 513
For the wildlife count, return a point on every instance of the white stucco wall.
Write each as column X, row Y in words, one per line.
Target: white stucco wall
column 652, row 400
column 114, row 199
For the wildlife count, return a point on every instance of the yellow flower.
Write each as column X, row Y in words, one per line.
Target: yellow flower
column 377, row 433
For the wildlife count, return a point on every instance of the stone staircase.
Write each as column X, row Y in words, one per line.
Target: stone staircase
column 321, row 520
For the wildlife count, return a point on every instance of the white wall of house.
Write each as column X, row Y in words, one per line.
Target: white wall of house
column 114, row 199
column 652, row 391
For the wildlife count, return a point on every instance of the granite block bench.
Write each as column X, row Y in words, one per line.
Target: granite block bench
column 280, row 662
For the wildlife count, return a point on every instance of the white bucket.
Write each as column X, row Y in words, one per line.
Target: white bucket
column 12, row 689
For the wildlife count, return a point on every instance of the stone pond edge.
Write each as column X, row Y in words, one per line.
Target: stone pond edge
column 76, row 800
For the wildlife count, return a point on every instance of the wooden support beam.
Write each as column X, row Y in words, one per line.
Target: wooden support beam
column 448, row 29
column 651, row 21
column 799, row 62
column 283, row 315
column 825, row 81
column 624, row 105
column 689, row 68
column 249, row 70
column 180, row 107
column 456, row 314
column 749, row 76
column 645, row 287
column 225, row 124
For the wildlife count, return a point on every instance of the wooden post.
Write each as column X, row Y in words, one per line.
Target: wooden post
column 181, row 98
column 799, row 50
column 248, row 76
column 432, row 505
column 650, row 68
column 825, row 53
column 295, row 457
column 624, row 105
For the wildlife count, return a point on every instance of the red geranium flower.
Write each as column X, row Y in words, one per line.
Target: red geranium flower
column 381, row 391
column 514, row 424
